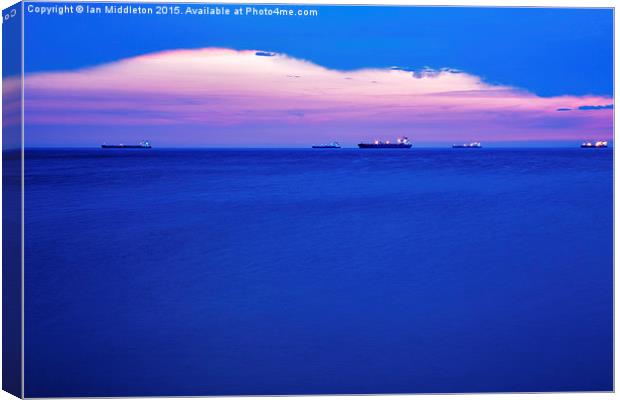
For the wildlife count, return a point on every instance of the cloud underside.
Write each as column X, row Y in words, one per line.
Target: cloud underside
column 221, row 88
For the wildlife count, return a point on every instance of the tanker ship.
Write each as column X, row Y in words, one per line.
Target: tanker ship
column 472, row 145
column 403, row 143
column 601, row 144
column 145, row 144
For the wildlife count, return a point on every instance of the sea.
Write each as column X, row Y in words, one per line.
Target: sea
column 317, row 271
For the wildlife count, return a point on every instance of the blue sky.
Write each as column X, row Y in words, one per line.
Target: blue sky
column 496, row 75
column 549, row 52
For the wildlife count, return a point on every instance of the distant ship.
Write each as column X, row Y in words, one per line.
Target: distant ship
column 403, row 143
column 145, row 144
column 332, row 145
column 596, row 145
column 472, row 145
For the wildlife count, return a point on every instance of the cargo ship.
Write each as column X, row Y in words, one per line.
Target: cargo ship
column 403, row 143
column 145, row 144
column 332, row 145
column 596, row 145
column 472, row 145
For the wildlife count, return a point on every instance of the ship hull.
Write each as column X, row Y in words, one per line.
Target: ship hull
column 121, row 146
column 593, row 147
column 384, row 146
column 325, row 147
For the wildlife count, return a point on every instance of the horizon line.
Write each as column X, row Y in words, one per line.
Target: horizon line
column 550, row 146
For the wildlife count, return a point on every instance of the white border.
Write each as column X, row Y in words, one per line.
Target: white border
column 497, row 3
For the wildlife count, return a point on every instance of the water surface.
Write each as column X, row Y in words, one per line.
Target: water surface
column 210, row 272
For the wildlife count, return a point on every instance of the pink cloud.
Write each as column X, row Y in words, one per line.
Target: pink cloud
column 211, row 89
column 11, row 102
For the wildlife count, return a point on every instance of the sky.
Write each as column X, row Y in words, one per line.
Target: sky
column 437, row 75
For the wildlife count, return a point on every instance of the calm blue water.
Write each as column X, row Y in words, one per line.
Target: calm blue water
column 207, row 272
